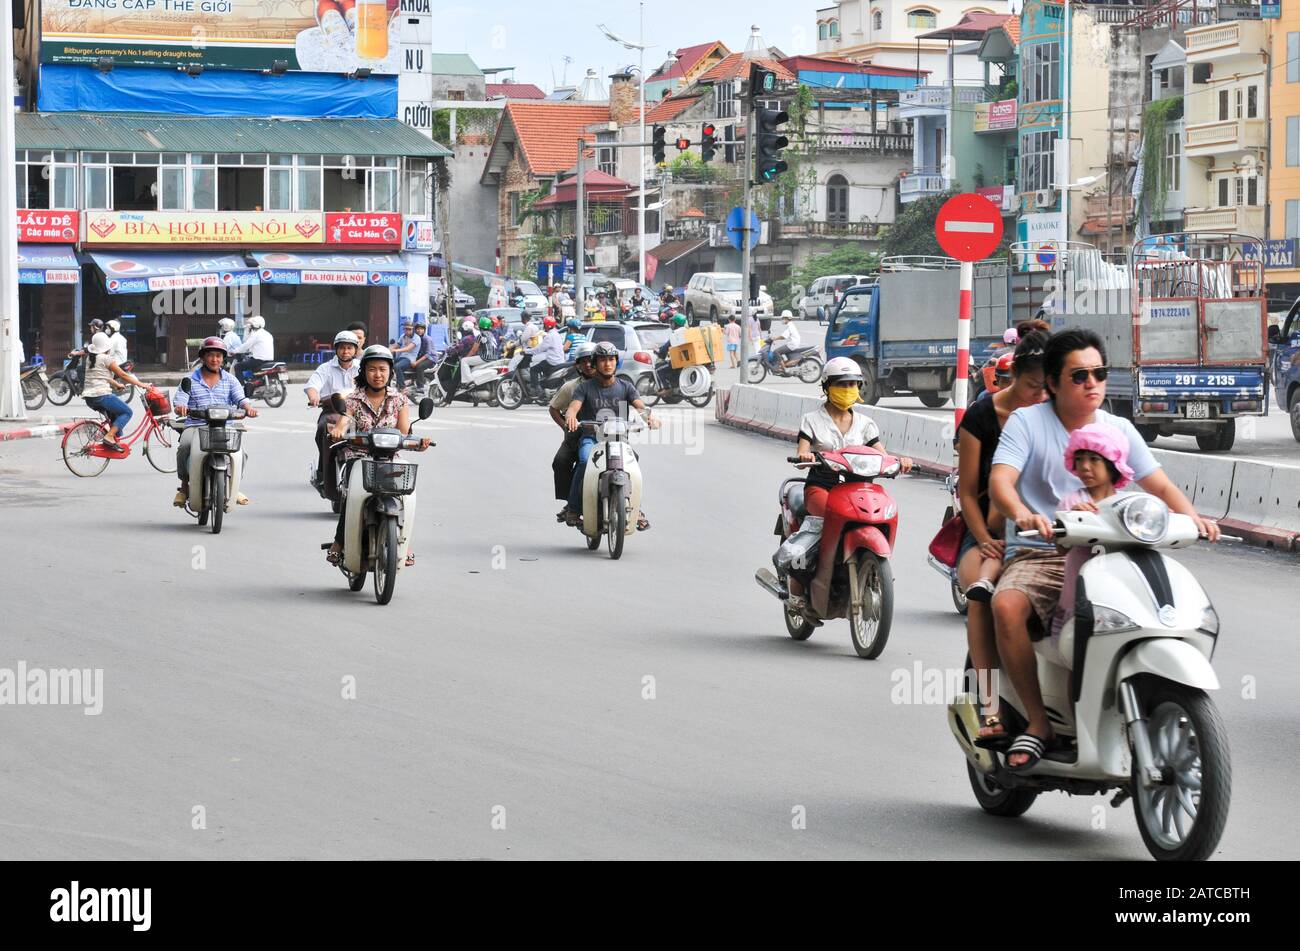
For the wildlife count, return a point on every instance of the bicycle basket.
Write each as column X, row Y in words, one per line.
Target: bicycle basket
column 388, row 478
column 223, row 439
column 159, row 404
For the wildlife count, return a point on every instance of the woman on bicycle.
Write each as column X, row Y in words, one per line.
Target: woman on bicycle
column 98, row 390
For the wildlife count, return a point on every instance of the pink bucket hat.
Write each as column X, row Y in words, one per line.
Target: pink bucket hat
column 1107, row 442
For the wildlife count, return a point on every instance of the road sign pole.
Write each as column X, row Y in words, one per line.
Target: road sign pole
column 965, row 310
column 746, row 345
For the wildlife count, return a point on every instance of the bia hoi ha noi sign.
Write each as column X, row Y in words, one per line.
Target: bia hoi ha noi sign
column 323, row 36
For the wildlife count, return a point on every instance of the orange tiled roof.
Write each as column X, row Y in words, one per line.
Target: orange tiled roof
column 548, row 132
column 736, row 65
column 670, row 109
column 1011, row 26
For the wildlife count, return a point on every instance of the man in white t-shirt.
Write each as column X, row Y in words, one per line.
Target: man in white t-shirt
column 787, row 341
column 1027, row 482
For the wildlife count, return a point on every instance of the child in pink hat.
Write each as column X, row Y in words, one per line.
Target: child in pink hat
column 1098, row 455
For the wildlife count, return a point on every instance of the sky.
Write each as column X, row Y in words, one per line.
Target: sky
column 534, row 37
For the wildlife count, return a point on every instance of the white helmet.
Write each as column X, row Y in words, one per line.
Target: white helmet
column 225, row 325
column 841, row 370
column 466, row 326
column 346, row 336
column 786, row 315
column 114, row 325
column 256, row 322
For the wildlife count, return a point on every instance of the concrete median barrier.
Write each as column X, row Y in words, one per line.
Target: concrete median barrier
column 1283, row 512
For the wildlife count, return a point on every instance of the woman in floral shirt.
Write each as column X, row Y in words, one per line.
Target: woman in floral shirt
column 372, row 405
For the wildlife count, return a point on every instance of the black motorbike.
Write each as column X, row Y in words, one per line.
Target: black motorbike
column 68, row 382
column 34, row 385
column 516, row 387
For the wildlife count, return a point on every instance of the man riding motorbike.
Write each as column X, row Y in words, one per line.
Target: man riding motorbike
column 460, row 351
column 669, row 378
column 785, row 342
column 566, row 457
column 257, row 350
column 401, row 362
column 573, row 334
column 339, row 375
column 118, row 340
column 601, row 397
column 226, row 331
column 210, row 385
column 547, row 355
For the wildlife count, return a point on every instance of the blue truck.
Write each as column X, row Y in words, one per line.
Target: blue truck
column 901, row 327
column 1284, row 354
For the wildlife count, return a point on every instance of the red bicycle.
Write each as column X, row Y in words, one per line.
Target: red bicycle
column 86, row 455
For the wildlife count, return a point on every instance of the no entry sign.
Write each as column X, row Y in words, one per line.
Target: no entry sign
column 969, row 227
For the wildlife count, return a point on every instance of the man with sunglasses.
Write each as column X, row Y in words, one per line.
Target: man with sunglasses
column 1027, row 481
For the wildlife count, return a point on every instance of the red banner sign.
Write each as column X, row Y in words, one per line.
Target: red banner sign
column 56, row 227
column 369, row 228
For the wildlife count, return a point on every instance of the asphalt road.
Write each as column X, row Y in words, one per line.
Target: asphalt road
column 506, row 681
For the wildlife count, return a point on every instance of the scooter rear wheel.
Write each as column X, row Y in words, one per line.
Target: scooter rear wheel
column 959, row 599
column 996, row 800
column 276, row 392
column 510, row 393
column 59, row 391
column 757, row 371
column 799, row 627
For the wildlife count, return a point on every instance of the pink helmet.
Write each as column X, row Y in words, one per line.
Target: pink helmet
column 1106, row 441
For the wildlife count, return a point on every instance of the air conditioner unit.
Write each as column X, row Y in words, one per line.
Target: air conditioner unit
column 1045, row 198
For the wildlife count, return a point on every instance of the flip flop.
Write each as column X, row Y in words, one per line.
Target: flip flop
column 993, row 741
column 643, row 524
column 334, row 557
column 410, row 559
column 243, row 499
column 1034, row 746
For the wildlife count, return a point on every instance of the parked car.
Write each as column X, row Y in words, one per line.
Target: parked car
column 824, row 294
column 465, row 303
column 535, row 301
column 636, row 343
column 716, row 295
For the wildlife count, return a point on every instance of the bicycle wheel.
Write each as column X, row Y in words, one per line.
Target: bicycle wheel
column 160, row 447
column 77, row 443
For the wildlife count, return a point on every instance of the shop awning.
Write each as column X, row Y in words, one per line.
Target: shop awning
column 143, row 271
column 669, row 251
column 48, row 264
column 283, row 267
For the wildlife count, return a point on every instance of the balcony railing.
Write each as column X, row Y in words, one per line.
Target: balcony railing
column 938, row 97
column 854, row 141
column 1174, row 13
column 1224, row 39
column 1208, row 138
column 827, row 229
column 1213, row 219
column 1101, row 206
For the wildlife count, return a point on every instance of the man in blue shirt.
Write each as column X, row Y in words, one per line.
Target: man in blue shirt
column 210, row 385
column 1028, row 481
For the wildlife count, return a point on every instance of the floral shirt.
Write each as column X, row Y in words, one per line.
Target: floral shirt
column 365, row 418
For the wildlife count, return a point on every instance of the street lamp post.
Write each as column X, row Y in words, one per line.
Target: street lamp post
column 640, row 48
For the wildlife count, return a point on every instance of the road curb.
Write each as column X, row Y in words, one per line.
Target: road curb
column 36, row 432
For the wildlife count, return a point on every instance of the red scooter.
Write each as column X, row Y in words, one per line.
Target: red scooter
column 844, row 571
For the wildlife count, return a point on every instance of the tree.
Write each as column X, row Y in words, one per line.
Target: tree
column 846, row 259
column 913, row 231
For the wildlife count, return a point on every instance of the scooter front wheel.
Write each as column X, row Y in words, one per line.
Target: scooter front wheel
column 59, row 391
column 386, row 561
column 1181, row 818
column 616, row 521
column 757, row 371
column 217, row 498
column 870, row 621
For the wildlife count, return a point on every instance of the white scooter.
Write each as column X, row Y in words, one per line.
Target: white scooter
column 475, row 380
column 378, row 506
column 1124, row 685
column 611, row 487
column 216, row 462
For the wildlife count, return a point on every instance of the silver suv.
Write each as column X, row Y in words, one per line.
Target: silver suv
column 717, row 295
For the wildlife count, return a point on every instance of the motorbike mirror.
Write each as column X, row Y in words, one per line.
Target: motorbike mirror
column 186, row 384
column 426, row 408
column 338, row 404
column 1274, row 334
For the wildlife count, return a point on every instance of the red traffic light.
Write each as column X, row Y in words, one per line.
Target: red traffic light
column 683, row 145
column 709, row 130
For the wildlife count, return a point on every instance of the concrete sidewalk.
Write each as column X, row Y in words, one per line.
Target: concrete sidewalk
column 34, row 428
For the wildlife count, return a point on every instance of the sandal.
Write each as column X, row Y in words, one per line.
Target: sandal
column 1034, row 746
column 642, row 523
column 572, row 519
column 242, row 499
column 410, row 559
column 334, row 555
column 992, row 741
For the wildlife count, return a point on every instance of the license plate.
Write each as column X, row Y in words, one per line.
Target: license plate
column 1198, row 410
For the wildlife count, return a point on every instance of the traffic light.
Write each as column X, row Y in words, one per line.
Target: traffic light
column 660, row 146
column 762, row 83
column 683, row 144
column 770, row 143
column 708, row 142
column 729, row 145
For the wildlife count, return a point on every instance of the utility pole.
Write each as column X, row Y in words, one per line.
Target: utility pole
column 11, row 397
column 746, row 345
column 640, row 155
column 442, row 178
column 580, row 240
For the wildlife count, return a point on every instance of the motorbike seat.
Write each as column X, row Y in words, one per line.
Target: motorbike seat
column 268, row 368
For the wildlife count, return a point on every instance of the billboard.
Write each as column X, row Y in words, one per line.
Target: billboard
column 995, row 116
column 204, row 227
column 319, row 36
column 39, row 225
column 371, row 227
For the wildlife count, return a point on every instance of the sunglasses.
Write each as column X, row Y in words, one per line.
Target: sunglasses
column 1080, row 376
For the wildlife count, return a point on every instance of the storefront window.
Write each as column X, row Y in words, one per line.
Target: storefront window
column 279, row 189
column 203, row 189
column 415, row 198
column 309, row 183
column 96, row 185
column 171, row 195
column 383, row 189
column 46, row 179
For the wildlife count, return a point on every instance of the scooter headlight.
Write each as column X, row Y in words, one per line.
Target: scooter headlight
column 1209, row 621
column 1110, row 621
column 1146, row 518
column 218, row 413
column 386, row 440
column 867, row 466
